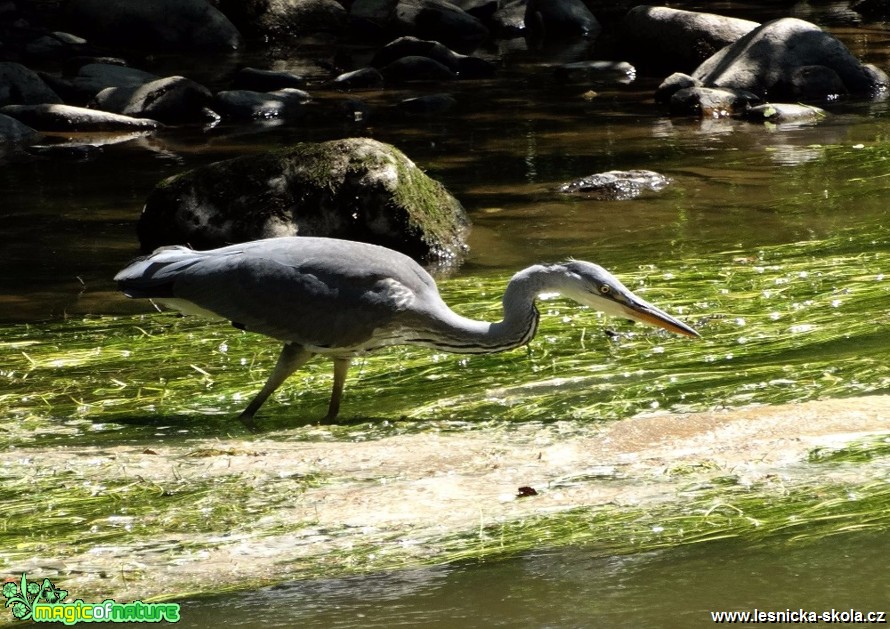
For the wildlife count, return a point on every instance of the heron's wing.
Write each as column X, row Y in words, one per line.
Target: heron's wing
column 313, row 291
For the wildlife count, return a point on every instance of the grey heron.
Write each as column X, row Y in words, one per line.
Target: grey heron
column 340, row 298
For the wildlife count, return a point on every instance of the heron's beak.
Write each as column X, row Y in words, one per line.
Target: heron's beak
column 644, row 312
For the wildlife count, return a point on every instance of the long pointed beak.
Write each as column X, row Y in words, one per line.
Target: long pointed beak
column 644, row 312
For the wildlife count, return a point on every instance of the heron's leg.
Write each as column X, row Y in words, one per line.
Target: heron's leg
column 341, row 366
column 291, row 358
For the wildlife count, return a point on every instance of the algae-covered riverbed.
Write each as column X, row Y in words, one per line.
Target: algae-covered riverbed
column 760, row 449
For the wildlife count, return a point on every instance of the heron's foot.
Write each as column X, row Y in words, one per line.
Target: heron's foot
column 328, row 419
column 248, row 422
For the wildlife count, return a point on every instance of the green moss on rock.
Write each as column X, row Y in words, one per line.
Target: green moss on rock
column 354, row 188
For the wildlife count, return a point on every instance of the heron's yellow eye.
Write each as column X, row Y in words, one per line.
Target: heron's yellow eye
column 605, row 288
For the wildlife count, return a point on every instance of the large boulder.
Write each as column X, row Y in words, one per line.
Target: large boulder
column 355, row 188
column 285, row 18
column 21, row 86
column 156, row 26
column 676, row 40
column 791, row 59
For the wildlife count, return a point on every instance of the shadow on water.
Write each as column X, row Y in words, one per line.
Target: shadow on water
column 575, row 588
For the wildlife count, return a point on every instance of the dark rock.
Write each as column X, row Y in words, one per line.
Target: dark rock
column 410, row 46
column 13, row 131
column 429, row 105
column 95, row 77
column 416, row 69
column 288, row 103
column 509, row 20
column 675, row 40
column 56, row 44
column 482, row 10
column 600, row 71
column 71, row 66
column 157, row 26
column 355, row 110
column 816, row 83
column 279, row 19
column 21, row 86
column 708, row 102
column 463, row 65
column 171, row 100
column 475, row 68
column 673, row 84
column 356, row 188
column 785, row 113
column 258, row 80
column 363, row 78
column 92, row 78
column 873, row 10
column 560, row 18
column 68, row 118
column 440, row 21
column 769, row 59
column 616, row 185
column 372, row 18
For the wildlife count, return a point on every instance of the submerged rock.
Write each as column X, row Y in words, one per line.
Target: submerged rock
column 363, row 78
column 356, row 188
column 415, row 68
column 785, row 113
column 673, row 84
column 259, row 80
column 595, row 70
column 709, row 102
column 427, row 105
column 247, row 105
column 464, row 66
column 616, row 185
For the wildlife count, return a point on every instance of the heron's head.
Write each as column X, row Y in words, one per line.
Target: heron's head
column 594, row 286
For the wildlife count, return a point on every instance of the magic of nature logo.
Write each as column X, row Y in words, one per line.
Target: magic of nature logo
column 46, row 603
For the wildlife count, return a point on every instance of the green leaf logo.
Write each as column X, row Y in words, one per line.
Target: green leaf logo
column 22, row 596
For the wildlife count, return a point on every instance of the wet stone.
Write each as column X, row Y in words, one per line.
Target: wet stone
column 616, row 185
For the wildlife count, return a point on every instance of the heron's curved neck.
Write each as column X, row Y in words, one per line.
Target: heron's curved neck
column 520, row 323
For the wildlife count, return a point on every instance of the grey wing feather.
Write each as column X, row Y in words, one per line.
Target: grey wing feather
column 313, row 291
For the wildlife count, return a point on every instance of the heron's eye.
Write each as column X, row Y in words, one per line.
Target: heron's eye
column 605, row 289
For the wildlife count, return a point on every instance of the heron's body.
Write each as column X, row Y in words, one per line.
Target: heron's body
column 341, row 298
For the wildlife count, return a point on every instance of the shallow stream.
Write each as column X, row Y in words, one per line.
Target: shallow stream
column 772, row 241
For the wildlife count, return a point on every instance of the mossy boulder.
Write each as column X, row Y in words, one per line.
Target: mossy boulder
column 355, row 188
